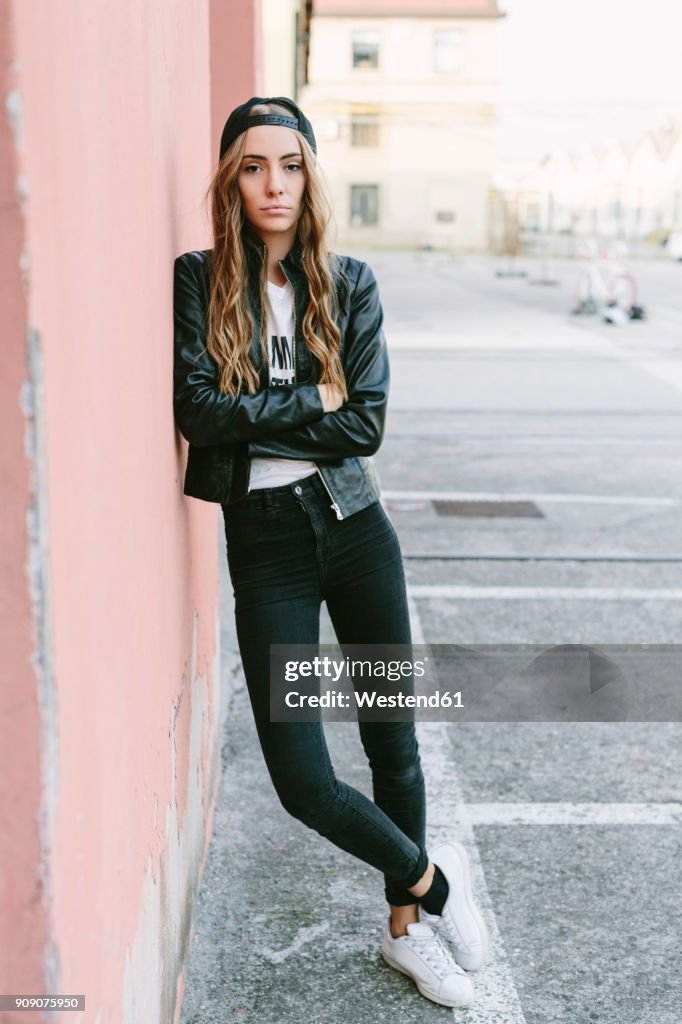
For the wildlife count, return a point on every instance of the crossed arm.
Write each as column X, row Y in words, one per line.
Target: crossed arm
column 288, row 421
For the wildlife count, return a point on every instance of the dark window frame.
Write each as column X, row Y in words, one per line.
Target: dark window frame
column 365, row 50
column 364, row 198
column 364, row 131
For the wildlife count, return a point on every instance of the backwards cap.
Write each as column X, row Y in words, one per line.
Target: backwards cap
column 239, row 121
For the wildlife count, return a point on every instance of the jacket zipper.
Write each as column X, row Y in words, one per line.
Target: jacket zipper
column 293, row 340
column 335, row 504
column 260, row 332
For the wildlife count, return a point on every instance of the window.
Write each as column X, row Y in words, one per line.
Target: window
column 447, row 50
column 364, row 205
column 365, row 49
column 364, row 131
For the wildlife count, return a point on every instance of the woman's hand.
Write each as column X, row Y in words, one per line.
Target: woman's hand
column 332, row 399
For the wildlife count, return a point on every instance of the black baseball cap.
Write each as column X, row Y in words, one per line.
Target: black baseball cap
column 239, row 121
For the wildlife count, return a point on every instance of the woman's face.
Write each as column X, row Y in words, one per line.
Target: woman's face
column 272, row 179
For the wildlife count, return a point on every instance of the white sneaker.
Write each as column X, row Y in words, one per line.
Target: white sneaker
column 460, row 921
column 423, row 956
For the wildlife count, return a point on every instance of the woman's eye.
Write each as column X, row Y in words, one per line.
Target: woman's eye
column 252, row 167
column 293, row 167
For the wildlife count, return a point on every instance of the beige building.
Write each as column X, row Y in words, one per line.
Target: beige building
column 285, row 33
column 403, row 97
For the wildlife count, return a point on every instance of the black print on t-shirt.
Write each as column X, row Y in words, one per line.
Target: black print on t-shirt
column 281, row 363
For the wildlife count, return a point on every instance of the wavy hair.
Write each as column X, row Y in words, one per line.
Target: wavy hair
column 230, row 321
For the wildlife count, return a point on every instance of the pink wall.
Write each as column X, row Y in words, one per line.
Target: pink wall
column 113, row 763
column 229, row 84
column 22, row 909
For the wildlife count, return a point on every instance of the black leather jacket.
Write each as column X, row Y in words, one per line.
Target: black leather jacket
column 286, row 421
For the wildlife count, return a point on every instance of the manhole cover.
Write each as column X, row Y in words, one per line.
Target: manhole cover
column 514, row 509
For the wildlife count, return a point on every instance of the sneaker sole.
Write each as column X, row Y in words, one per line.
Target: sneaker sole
column 424, row 991
column 468, row 903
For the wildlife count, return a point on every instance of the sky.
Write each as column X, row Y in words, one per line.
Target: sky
column 578, row 71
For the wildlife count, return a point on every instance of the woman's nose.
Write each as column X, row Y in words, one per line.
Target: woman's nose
column 274, row 183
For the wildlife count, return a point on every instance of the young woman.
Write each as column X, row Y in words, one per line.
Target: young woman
column 280, row 386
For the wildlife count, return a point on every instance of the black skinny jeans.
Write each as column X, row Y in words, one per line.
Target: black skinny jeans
column 287, row 552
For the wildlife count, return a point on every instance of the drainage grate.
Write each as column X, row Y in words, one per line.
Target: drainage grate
column 513, row 509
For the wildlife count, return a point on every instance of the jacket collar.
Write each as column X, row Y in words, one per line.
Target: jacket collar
column 256, row 249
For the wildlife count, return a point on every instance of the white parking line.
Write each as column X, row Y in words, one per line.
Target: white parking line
column 496, row 996
column 464, row 592
column 569, row 814
column 567, row 499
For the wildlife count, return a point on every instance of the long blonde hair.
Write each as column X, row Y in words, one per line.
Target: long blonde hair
column 230, row 322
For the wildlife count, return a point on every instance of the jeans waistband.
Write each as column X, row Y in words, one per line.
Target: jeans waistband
column 286, row 495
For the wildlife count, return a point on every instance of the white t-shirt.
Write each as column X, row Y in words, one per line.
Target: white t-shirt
column 276, row 472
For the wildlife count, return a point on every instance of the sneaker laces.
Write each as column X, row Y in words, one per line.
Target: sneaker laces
column 433, row 951
column 447, row 920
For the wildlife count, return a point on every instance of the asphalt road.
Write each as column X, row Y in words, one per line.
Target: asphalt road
column 498, row 394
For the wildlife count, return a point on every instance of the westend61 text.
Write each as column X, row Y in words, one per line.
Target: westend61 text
column 372, row 699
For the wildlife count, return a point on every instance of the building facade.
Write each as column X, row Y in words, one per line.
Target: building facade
column 403, row 97
column 286, row 32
